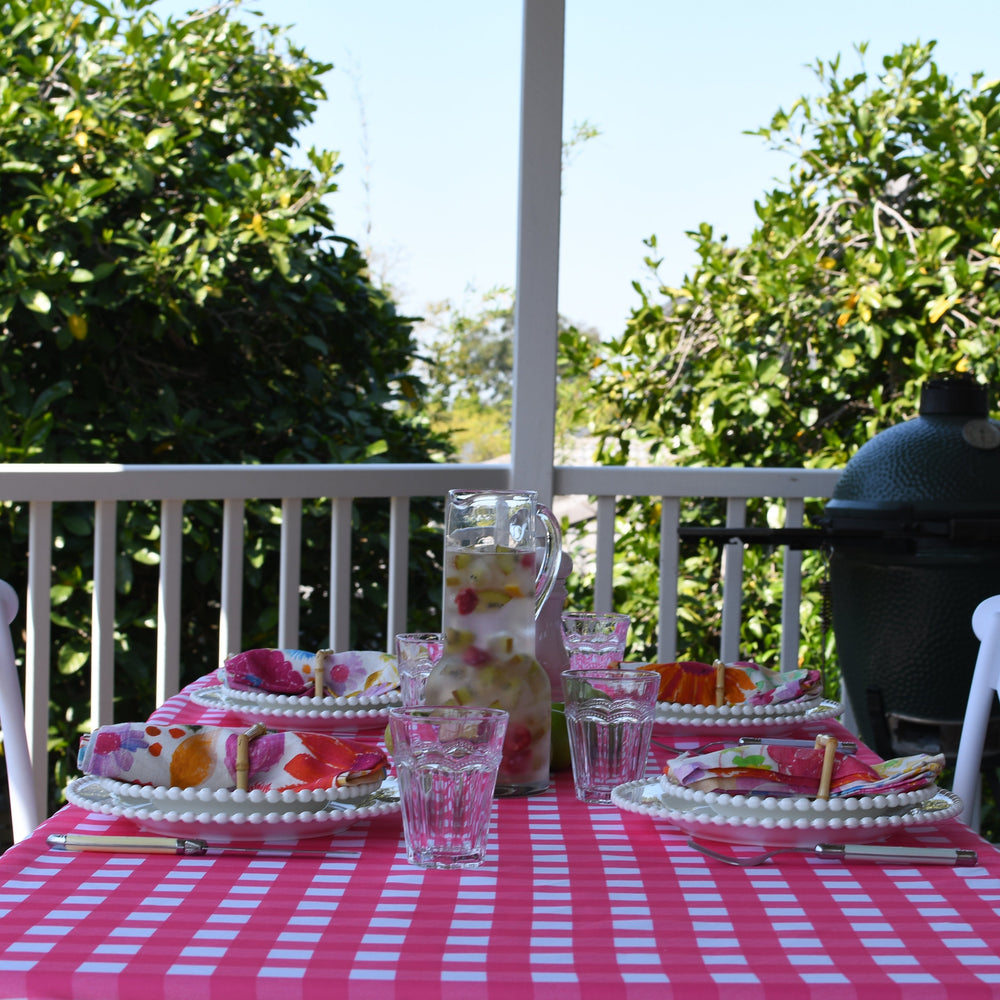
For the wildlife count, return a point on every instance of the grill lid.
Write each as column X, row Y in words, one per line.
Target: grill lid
column 943, row 464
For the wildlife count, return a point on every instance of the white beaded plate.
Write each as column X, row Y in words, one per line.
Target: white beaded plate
column 162, row 796
column 742, row 720
column 793, row 821
column 237, row 815
column 292, row 712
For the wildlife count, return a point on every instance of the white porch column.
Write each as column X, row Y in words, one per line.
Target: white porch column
column 536, row 312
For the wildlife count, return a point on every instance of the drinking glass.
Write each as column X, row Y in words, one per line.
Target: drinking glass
column 609, row 718
column 447, row 760
column 416, row 654
column 595, row 640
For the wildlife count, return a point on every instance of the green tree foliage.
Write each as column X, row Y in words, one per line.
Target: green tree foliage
column 470, row 357
column 874, row 267
column 172, row 290
column 472, row 361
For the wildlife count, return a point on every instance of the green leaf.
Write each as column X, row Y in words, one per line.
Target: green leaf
column 36, row 300
column 78, row 524
column 19, row 167
column 159, row 136
column 71, row 661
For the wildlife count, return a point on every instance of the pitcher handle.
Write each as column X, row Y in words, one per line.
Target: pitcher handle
column 545, row 577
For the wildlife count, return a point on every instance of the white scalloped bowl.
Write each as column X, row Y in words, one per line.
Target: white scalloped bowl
column 763, row 807
column 739, row 712
column 289, row 717
column 704, row 720
column 265, row 700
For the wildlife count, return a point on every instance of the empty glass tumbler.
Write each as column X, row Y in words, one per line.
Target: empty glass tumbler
column 609, row 719
column 595, row 639
column 446, row 760
column 416, row 654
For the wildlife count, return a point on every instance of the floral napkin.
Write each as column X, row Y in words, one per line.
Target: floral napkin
column 778, row 770
column 293, row 671
column 689, row 682
column 205, row 757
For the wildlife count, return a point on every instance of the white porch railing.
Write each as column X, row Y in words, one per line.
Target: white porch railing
column 41, row 486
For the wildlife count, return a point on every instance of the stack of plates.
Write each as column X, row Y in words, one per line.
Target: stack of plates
column 792, row 821
column 743, row 720
column 235, row 815
column 299, row 713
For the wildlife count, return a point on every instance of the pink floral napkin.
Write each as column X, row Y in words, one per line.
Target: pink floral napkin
column 205, row 757
column 777, row 770
column 293, row 671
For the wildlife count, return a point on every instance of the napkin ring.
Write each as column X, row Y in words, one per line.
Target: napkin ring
column 243, row 742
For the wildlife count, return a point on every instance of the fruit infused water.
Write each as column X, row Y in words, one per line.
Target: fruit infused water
column 490, row 602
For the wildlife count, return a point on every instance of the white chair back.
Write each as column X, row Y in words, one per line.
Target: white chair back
column 24, row 811
column 985, row 684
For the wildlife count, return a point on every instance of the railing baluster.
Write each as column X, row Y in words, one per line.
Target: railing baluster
column 399, row 566
column 290, row 573
column 168, row 622
column 38, row 649
column 791, row 592
column 340, row 573
column 102, row 634
column 605, row 553
column 231, row 596
column 670, row 516
column 732, row 582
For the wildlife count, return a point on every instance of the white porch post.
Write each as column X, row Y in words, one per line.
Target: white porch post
column 536, row 312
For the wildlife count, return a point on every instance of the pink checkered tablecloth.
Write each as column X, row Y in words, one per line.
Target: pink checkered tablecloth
column 575, row 902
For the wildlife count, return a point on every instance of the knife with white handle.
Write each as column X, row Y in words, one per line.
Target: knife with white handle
column 955, row 857
column 173, row 845
column 775, row 741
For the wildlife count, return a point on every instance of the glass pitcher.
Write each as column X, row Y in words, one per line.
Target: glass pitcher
column 495, row 583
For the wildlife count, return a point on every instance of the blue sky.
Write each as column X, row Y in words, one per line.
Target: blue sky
column 423, row 107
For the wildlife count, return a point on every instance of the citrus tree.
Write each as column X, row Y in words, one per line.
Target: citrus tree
column 873, row 267
column 172, row 289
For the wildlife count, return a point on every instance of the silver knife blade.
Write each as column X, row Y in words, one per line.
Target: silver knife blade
column 172, row 845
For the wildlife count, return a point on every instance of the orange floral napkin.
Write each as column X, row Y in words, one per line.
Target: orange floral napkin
column 689, row 682
column 205, row 757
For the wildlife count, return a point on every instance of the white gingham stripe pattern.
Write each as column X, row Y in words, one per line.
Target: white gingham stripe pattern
column 575, row 902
